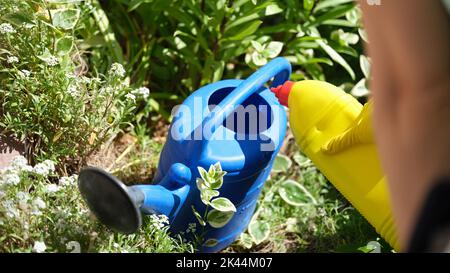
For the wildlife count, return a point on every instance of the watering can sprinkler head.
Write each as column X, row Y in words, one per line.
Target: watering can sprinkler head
column 119, row 207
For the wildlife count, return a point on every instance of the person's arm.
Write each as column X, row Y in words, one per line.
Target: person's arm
column 409, row 45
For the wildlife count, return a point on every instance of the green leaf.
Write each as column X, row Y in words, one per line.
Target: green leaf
column 295, row 194
column 239, row 33
column 64, row 45
column 223, row 204
column 218, row 219
column 134, row 4
column 336, row 57
column 364, row 63
column 206, row 195
column 210, row 242
column 300, row 159
column 330, row 3
column 282, row 163
column 204, row 175
column 198, row 216
column 257, row 46
column 273, row 9
column 65, row 18
column 245, row 240
column 258, row 59
column 273, row 49
column 259, row 231
column 336, row 12
column 308, row 5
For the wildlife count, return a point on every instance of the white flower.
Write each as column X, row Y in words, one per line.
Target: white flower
column 24, row 73
column 2, row 194
column 51, row 60
column 50, row 164
column 144, row 92
column 72, row 90
column 11, row 210
column 41, row 169
column 39, row 247
column 44, row 168
column 6, row 28
column 19, row 162
column 68, row 181
column 130, row 96
column 23, row 196
column 11, row 179
column 159, row 221
column 117, row 70
column 12, row 59
column 39, row 203
column 51, row 188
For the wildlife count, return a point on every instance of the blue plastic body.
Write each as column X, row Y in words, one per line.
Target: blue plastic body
column 241, row 155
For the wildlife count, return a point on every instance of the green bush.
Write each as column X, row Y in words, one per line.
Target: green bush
column 177, row 46
column 48, row 99
column 37, row 215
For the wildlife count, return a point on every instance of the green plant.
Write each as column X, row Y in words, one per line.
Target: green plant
column 180, row 45
column 48, row 100
column 40, row 216
column 223, row 209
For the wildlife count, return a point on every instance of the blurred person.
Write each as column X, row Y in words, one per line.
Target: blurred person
column 409, row 44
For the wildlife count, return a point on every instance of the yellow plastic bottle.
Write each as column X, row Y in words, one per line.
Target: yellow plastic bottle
column 319, row 112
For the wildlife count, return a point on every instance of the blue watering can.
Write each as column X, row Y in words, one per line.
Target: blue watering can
column 207, row 128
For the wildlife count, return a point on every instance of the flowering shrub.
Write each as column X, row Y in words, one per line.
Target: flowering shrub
column 40, row 216
column 48, row 99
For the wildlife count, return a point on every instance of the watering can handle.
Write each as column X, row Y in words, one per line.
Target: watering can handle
column 280, row 68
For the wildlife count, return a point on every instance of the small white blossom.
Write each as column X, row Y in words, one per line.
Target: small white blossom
column 51, row 60
column 44, row 168
column 130, row 96
column 38, row 204
column 6, row 28
column 2, row 194
column 68, row 181
column 41, row 169
column 144, row 92
column 72, row 90
column 24, row 73
column 24, row 196
column 39, row 247
column 11, row 179
column 51, row 188
column 159, row 221
column 12, row 59
column 10, row 209
column 117, row 70
column 70, row 76
column 19, row 162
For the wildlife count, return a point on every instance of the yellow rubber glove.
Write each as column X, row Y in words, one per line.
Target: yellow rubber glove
column 361, row 132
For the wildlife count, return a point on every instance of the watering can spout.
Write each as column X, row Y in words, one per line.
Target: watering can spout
column 120, row 207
